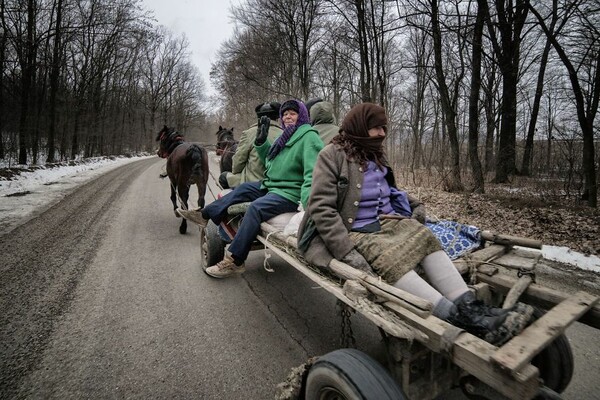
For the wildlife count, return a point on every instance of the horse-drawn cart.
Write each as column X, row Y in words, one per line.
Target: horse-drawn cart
column 428, row 356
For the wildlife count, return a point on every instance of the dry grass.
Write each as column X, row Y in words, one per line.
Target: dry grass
column 525, row 212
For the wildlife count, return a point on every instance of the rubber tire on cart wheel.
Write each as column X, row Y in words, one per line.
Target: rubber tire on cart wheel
column 212, row 248
column 555, row 362
column 352, row 375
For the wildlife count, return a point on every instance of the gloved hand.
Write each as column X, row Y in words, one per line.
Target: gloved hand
column 418, row 213
column 223, row 180
column 356, row 260
column 262, row 130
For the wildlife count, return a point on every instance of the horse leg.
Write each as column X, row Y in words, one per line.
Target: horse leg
column 174, row 199
column 201, row 186
column 184, row 195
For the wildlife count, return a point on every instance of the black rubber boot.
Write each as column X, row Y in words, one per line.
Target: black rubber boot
column 476, row 317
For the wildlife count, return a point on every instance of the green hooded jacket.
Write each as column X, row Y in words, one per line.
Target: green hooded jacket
column 290, row 173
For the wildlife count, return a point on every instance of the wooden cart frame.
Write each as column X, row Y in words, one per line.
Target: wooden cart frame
column 428, row 356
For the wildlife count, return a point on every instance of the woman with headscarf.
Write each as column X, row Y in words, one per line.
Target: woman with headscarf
column 289, row 163
column 355, row 215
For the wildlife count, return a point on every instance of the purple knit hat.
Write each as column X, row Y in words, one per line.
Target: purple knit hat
column 288, row 131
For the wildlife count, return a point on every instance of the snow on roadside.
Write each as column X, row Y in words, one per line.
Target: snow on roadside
column 32, row 192
column 29, row 193
column 567, row 256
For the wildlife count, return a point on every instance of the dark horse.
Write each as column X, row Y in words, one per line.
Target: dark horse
column 226, row 147
column 187, row 164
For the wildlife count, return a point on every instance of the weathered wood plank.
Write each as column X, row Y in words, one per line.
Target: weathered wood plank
column 384, row 319
column 510, row 240
column 513, row 261
column 488, row 253
column 473, row 355
column 540, row 296
column 521, row 349
column 348, row 272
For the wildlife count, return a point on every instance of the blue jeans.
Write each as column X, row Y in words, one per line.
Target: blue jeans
column 264, row 206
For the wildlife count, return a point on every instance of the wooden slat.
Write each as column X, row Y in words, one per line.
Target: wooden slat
column 488, row 253
column 347, row 272
column 521, row 349
column 540, row 296
column 510, row 240
column 514, row 261
column 473, row 355
column 384, row 319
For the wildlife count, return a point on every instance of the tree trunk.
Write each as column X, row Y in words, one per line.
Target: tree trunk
column 27, row 65
column 454, row 183
column 54, row 82
column 479, row 185
column 3, row 39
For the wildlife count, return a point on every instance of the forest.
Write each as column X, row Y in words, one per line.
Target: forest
column 478, row 92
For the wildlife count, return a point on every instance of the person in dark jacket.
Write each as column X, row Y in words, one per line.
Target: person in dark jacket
column 322, row 119
column 247, row 165
column 357, row 215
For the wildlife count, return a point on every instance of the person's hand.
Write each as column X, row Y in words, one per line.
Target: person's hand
column 223, row 180
column 418, row 213
column 262, row 130
column 356, row 260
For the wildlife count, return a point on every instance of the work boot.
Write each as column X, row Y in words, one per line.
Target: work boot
column 516, row 320
column 225, row 268
column 194, row 215
column 476, row 317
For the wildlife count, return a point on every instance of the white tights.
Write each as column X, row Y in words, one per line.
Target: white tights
column 443, row 276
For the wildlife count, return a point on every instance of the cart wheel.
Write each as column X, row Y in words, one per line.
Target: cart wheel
column 555, row 362
column 212, row 248
column 350, row 374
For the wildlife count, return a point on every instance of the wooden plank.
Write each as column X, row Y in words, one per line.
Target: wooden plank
column 384, row 319
column 540, row 296
column 521, row 349
column 488, row 253
column 513, row 261
column 473, row 355
column 510, row 240
column 347, row 272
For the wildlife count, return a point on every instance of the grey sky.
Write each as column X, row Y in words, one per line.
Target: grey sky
column 205, row 23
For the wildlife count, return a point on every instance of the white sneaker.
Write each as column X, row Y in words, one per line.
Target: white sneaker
column 225, row 268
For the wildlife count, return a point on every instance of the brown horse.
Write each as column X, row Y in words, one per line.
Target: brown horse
column 187, row 164
column 226, row 147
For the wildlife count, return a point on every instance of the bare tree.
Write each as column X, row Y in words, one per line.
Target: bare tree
column 583, row 66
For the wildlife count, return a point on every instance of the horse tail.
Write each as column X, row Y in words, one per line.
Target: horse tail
column 198, row 157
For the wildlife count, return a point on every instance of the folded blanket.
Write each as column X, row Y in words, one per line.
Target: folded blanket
column 456, row 239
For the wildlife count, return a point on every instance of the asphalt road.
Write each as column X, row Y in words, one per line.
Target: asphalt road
column 101, row 297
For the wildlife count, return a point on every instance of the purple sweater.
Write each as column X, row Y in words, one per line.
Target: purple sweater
column 374, row 197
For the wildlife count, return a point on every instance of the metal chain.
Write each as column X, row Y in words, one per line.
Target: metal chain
column 347, row 339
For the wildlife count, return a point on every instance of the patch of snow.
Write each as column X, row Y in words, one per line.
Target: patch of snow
column 567, row 256
column 32, row 192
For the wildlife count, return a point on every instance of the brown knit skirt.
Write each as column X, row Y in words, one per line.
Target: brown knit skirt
column 398, row 248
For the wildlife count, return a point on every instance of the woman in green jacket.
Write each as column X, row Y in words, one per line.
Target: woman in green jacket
column 289, row 163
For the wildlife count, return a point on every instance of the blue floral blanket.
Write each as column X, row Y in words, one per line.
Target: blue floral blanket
column 456, row 239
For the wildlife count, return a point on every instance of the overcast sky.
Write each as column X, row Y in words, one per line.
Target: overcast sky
column 206, row 24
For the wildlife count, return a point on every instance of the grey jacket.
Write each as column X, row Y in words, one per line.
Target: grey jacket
column 332, row 207
column 323, row 120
